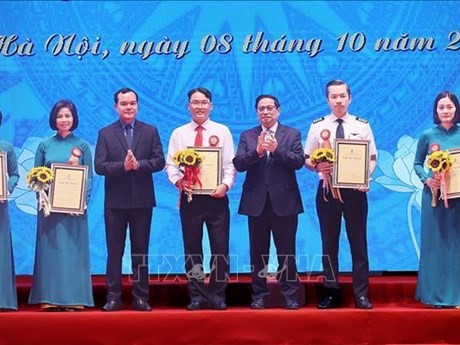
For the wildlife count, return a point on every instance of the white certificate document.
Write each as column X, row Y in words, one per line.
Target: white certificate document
column 68, row 190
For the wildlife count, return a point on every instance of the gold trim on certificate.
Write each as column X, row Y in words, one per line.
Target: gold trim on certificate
column 210, row 169
column 3, row 177
column 68, row 190
column 351, row 167
column 453, row 176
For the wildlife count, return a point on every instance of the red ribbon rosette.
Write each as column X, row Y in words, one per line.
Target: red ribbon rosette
column 76, row 151
column 75, row 154
column 435, row 147
column 325, row 135
column 213, row 140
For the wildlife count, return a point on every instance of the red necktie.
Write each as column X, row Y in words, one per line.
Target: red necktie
column 199, row 136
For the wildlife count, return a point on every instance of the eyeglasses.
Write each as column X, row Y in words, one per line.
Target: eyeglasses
column 198, row 103
column 268, row 108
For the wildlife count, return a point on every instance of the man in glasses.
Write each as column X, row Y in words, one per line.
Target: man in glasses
column 199, row 209
column 270, row 153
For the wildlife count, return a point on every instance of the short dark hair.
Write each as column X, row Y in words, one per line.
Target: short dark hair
column 202, row 90
column 123, row 91
column 337, row 82
column 277, row 103
column 454, row 100
column 63, row 103
column 1, row 117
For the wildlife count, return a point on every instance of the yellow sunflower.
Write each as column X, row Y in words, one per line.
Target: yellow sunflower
column 44, row 176
column 329, row 154
column 177, row 158
column 440, row 161
column 39, row 174
column 322, row 155
column 187, row 157
column 434, row 164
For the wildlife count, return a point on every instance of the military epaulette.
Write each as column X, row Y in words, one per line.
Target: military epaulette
column 360, row 119
column 318, row 120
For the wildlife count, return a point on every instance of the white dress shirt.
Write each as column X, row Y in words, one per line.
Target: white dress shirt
column 354, row 127
column 184, row 136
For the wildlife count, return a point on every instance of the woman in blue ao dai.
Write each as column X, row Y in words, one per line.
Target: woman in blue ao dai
column 61, row 278
column 439, row 272
column 8, row 295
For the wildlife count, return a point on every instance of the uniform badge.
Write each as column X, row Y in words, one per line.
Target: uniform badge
column 318, row 120
column 360, row 119
column 213, row 140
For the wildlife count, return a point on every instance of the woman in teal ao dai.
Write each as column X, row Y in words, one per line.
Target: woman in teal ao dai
column 61, row 278
column 439, row 272
column 8, row 297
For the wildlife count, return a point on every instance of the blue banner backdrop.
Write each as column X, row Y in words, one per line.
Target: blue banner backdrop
column 396, row 56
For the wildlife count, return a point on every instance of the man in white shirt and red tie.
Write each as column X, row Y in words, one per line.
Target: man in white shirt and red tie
column 210, row 209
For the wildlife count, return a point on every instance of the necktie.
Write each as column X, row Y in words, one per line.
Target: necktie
column 199, row 136
column 339, row 133
column 129, row 135
column 268, row 135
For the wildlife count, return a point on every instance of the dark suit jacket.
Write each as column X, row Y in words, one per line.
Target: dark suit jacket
column 129, row 189
column 276, row 176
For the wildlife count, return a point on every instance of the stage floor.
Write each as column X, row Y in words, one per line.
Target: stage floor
column 396, row 318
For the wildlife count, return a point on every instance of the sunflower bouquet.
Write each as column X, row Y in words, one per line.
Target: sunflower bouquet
column 39, row 180
column 440, row 162
column 321, row 155
column 189, row 161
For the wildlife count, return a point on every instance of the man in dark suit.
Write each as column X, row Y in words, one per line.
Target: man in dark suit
column 270, row 154
column 127, row 153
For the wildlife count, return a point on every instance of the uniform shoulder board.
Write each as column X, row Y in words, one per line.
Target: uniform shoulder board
column 318, row 120
column 360, row 119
